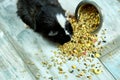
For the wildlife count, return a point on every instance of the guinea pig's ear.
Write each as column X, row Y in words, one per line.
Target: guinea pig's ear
column 52, row 33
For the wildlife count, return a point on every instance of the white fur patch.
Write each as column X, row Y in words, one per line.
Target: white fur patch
column 61, row 20
column 67, row 33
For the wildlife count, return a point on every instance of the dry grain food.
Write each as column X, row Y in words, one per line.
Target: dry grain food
column 90, row 17
column 83, row 41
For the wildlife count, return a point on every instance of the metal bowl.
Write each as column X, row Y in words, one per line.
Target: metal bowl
column 85, row 3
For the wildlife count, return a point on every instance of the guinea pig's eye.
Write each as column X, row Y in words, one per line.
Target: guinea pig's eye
column 52, row 33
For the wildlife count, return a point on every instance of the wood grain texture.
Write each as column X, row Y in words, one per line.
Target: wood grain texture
column 22, row 51
column 112, row 62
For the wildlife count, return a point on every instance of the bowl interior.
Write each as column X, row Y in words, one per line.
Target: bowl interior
column 88, row 6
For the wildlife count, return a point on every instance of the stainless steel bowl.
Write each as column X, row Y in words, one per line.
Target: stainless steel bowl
column 85, row 3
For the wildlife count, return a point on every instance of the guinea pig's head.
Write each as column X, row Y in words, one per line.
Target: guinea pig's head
column 62, row 30
column 54, row 26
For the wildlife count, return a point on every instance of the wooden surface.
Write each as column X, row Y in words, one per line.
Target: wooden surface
column 22, row 51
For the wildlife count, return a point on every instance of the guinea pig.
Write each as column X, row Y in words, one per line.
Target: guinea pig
column 46, row 17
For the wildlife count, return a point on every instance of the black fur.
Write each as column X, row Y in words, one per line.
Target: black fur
column 40, row 15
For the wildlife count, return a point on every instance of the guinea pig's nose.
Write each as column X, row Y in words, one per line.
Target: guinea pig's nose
column 67, row 38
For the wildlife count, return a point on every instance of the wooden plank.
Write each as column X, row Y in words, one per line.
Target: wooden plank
column 110, row 46
column 21, row 45
column 11, row 65
column 112, row 62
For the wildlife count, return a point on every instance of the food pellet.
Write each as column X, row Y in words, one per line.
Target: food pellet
column 74, row 66
column 71, row 71
column 97, row 55
column 61, row 72
column 60, row 69
column 82, row 74
column 89, row 77
column 97, row 71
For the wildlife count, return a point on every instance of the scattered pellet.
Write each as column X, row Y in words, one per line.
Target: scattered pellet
column 89, row 77
column 97, row 55
column 74, row 66
column 97, row 71
column 71, row 71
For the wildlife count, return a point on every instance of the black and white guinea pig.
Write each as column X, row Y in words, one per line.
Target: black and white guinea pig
column 46, row 17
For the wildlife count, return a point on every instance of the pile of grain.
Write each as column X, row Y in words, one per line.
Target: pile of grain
column 83, row 41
